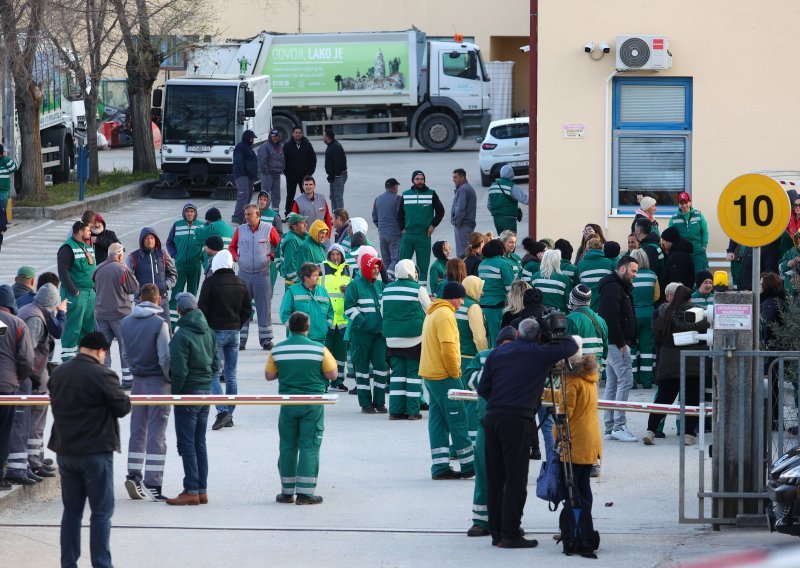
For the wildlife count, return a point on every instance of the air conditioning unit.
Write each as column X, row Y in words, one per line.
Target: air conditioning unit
column 643, row 53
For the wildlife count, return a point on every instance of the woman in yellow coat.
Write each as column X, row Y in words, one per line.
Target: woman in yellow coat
column 581, row 379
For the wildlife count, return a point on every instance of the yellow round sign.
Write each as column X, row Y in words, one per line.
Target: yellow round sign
column 753, row 210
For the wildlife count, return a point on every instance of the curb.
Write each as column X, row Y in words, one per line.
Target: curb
column 48, row 488
column 102, row 202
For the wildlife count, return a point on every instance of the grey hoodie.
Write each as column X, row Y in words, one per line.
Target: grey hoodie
column 114, row 283
column 146, row 337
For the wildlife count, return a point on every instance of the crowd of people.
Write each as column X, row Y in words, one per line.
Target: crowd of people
column 386, row 320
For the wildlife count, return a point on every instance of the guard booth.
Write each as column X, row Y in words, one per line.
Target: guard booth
column 753, row 392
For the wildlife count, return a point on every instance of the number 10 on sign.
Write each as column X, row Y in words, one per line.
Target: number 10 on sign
column 753, row 210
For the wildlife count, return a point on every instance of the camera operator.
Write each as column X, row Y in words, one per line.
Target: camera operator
column 512, row 383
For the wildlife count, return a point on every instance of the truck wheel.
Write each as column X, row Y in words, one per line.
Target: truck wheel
column 284, row 126
column 486, row 180
column 438, row 132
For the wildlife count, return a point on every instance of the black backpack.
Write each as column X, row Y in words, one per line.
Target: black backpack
column 577, row 530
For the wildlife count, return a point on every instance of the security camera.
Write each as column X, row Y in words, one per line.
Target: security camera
column 589, row 47
column 525, row 48
column 604, row 47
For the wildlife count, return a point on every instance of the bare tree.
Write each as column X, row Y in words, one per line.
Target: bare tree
column 86, row 35
column 21, row 25
column 144, row 24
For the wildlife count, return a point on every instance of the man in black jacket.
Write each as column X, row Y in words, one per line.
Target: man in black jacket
column 512, row 384
column 226, row 303
column 301, row 161
column 678, row 267
column 245, row 173
column 649, row 243
column 87, row 401
column 616, row 307
column 336, row 168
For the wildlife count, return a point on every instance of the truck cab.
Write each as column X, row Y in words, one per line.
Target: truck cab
column 203, row 118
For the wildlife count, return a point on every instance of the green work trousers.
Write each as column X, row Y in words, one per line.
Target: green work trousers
column 447, row 418
column 504, row 223
column 405, row 386
column 494, row 316
column 336, row 344
column 366, row 348
column 480, row 513
column 80, row 322
column 188, row 281
column 300, row 430
column 643, row 353
column 419, row 244
column 471, row 407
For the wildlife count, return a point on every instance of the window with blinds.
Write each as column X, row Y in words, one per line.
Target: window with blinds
column 651, row 140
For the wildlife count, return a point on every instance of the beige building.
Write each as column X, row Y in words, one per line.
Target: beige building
column 727, row 106
column 499, row 32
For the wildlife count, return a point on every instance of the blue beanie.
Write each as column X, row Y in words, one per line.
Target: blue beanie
column 7, row 299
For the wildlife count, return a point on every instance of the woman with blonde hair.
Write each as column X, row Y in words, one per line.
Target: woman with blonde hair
column 554, row 284
column 515, row 304
column 509, row 239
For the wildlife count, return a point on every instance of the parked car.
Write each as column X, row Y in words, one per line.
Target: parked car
column 506, row 142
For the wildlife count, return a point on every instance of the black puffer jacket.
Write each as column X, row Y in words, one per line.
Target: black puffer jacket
column 678, row 266
column 669, row 356
column 616, row 307
column 225, row 300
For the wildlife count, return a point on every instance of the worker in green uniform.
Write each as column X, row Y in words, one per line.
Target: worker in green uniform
column 420, row 213
column 441, row 252
column 7, row 169
column 472, row 339
column 554, row 284
column 313, row 248
column 214, row 225
column 646, row 292
column 403, row 306
column 335, row 278
column 302, row 366
column 692, row 226
column 584, row 322
column 290, row 247
column 531, row 261
column 497, row 277
column 703, row 295
column 76, row 265
column 509, row 239
column 593, row 267
column 504, row 200
column 471, row 376
column 185, row 248
column 367, row 344
column 308, row 297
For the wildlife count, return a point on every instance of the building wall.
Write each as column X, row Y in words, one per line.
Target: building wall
column 741, row 57
column 506, row 48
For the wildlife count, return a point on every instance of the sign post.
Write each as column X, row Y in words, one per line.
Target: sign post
column 754, row 210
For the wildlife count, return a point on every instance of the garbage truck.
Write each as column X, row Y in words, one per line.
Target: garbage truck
column 62, row 116
column 362, row 84
column 202, row 118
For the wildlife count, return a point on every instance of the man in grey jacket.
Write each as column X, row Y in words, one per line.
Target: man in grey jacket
column 462, row 215
column 114, row 283
column 385, row 215
column 146, row 335
column 16, row 365
column 271, row 163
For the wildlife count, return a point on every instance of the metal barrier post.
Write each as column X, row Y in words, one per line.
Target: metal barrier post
column 736, row 424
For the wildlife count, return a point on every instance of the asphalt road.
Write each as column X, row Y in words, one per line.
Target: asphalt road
column 381, row 507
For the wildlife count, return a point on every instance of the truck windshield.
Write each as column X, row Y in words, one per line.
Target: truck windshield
column 200, row 115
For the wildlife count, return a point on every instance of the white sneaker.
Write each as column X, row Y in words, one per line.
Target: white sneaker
column 690, row 440
column 135, row 489
column 624, row 435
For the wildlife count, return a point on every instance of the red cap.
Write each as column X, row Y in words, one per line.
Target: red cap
column 367, row 263
column 683, row 196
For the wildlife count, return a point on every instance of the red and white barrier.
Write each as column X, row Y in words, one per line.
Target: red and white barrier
column 194, row 399
column 468, row 395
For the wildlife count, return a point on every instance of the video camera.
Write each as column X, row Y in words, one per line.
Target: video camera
column 553, row 325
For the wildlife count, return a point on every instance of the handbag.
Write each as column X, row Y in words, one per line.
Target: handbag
column 548, row 485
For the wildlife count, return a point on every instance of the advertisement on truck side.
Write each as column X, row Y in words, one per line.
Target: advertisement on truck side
column 375, row 67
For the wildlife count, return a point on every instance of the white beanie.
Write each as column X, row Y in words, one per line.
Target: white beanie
column 405, row 269
column 366, row 249
column 223, row 259
column 647, row 202
column 359, row 225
